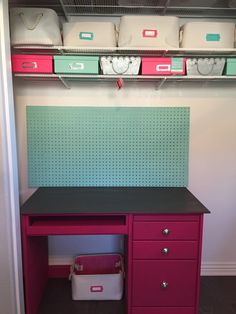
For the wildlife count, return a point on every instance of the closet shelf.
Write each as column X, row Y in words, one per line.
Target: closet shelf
column 160, row 80
column 120, row 7
column 65, row 50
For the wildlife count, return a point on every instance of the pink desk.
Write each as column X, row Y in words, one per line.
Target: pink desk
column 163, row 237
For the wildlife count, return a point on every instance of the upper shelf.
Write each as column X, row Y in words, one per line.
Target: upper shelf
column 180, row 8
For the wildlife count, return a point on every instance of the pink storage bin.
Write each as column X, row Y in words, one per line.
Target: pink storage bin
column 97, row 277
column 163, row 66
column 32, row 64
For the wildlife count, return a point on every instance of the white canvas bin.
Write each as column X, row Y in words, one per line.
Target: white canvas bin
column 205, row 66
column 120, row 65
column 97, row 277
column 149, row 31
column 89, row 34
column 207, row 35
column 34, row 26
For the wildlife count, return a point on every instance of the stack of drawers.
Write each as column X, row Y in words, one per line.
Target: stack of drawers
column 165, row 264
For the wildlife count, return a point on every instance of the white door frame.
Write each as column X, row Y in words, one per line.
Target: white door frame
column 11, row 279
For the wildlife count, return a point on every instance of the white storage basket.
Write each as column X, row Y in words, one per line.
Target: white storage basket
column 120, row 65
column 97, row 277
column 207, row 35
column 89, row 34
column 34, row 26
column 205, row 66
column 149, row 31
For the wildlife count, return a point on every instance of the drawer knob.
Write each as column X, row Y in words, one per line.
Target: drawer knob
column 164, row 284
column 165, row 251
column 165, row 231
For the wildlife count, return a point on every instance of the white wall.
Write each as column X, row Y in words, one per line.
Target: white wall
column 212, row 167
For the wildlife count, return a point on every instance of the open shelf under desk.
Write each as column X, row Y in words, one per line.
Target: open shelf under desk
column 57, row 298
column 37, row 225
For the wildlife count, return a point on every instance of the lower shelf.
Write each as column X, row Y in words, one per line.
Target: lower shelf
column 118, row 79
column 57, row 299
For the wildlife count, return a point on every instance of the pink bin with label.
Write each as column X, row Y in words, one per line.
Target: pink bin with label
column 32, row 64
column 163, row 66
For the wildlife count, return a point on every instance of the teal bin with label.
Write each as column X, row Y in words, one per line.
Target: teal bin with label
column 76, row 64
column 230, row 68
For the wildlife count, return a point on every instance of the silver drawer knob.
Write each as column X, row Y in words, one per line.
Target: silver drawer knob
column 164, row 284
column 165, row 251
column 165, row 231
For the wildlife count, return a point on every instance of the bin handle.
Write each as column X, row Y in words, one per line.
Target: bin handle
column 117, row 72
column 199, row 71
column 30, row 28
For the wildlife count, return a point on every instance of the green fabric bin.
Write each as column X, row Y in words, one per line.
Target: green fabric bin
column 76, row 64
column 230, row 68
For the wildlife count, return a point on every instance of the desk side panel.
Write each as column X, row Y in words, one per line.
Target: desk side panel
column 35, row 266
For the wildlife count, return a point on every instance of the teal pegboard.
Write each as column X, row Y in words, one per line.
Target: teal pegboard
column 100, row 146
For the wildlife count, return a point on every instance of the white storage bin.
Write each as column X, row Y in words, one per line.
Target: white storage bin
column 207, row 35
column 205, row 66
column 89, row 34
column 34, row 26
column 120, row 65
column 149, row 31
column 97, row 277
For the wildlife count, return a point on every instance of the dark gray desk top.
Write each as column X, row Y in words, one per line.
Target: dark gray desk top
column 113, row 200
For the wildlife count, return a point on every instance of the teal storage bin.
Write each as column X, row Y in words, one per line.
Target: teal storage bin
column 230, row 68
column 76, row 64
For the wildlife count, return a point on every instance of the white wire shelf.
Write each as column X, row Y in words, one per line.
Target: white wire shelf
column 142, row 51
column 136, row 77
column 101, row 77
column 120, row 7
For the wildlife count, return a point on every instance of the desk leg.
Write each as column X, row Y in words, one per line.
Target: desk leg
column 35, row 266
column 129, row 254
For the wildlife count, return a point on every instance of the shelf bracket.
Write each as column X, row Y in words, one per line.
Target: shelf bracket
column 64, row 82
column 160, row 83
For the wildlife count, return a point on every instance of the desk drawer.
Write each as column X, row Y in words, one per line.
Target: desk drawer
column 165, row 230
column 165, row 249
column 164, row 283
column 163, row 310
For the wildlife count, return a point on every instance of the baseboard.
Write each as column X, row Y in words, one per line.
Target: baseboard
column 218, row 269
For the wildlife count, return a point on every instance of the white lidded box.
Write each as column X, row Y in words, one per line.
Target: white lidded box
column 89, row 34
column 149, row 31
column 207, row 35
column 97, row 277
column 34, row 26
column 120, row 65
